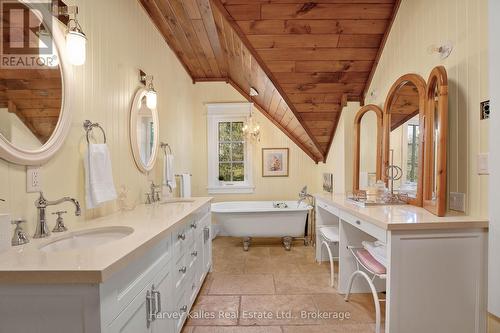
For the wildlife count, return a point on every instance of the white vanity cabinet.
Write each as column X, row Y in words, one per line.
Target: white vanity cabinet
column 436, row 266
column 173, row 281
column 153, row 291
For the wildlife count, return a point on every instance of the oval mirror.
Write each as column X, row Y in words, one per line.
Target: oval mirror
column 367, row 151
column 436, row 136
column 143, row 132
column 34, row 101
column 403, row 137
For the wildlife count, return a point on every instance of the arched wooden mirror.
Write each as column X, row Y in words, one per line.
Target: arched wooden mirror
column 436, row 138
column 403, row 141
column 368, row 125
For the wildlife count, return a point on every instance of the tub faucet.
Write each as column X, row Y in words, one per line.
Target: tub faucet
column 42, row 229
column 303, row 195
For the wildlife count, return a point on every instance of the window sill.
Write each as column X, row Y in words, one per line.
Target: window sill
column 231, row 189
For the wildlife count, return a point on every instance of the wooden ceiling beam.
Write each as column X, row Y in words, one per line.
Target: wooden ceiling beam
column 301, row 26
column 262, row 64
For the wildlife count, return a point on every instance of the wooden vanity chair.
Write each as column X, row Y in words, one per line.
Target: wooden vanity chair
column 330, row 237
column 365, row 262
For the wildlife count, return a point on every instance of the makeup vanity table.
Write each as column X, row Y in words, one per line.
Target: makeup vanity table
column 437, row 266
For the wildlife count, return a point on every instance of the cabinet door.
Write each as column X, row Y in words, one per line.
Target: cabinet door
column 134, row 318
column 162, row 292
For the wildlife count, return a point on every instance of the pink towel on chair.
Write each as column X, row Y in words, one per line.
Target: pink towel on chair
column 369, row 262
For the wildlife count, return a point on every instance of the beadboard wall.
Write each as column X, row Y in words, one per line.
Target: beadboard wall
column 303, row 170
column 121, row 39
column 418, row 26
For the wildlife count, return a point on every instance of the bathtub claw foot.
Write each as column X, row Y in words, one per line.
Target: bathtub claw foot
column 287, row 243
column 246, row 243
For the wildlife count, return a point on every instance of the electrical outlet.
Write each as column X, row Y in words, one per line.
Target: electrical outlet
column 457, row 201
column 485, row 110
column 33, row 179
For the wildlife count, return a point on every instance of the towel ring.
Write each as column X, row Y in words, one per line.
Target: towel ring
column 89, row 126
column 164, row 146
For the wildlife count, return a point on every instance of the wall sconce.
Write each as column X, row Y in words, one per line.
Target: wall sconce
column 151, row 95
column 253, row 92
column 443, row 50
column 75, row 37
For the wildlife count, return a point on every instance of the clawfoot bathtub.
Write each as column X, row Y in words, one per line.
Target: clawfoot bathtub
column 249, row 219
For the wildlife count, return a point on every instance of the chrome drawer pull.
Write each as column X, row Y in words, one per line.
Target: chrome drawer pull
column 157, row 297
column 183, row 270
column 184, row 309
column 182, row 236
column 149, row 313
column 194, row 225
column 206, row 234
column 194, row 253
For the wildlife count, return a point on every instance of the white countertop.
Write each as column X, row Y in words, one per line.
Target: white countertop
column 28, row 264
column 402, row 217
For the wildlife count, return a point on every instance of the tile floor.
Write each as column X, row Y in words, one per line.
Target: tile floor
column 270, row 290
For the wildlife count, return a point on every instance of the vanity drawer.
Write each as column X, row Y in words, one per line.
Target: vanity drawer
column 182, row 237
column 367, row 227
column 329, row 208
column 180, row 273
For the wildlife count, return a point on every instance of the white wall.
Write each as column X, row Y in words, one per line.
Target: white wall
column 494, row 232
column 420, row 24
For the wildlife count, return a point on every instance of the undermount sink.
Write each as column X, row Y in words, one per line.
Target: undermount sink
column 87, row 238
column 177, row 200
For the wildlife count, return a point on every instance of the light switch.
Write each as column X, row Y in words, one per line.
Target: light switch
column 483, row 164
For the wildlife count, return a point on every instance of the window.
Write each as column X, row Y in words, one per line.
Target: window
column 412, row 158
column 229, row 154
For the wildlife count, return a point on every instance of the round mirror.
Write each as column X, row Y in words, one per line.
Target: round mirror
column 143, row 132
column 367, row 151
column 34, row 113
column 403, row 129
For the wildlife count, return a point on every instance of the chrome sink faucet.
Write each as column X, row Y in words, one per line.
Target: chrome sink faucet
column 42, row 229
column 154, row 194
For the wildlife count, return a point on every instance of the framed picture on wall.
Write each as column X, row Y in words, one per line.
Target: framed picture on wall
column 275, row 162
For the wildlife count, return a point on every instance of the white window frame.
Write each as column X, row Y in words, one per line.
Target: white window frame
column 227, row 112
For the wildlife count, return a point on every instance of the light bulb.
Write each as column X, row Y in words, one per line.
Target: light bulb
column 76, row 47
column 151, row 99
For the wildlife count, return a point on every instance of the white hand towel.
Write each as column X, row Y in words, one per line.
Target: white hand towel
column 99, row 184
column 168, row 171
column 186, row 185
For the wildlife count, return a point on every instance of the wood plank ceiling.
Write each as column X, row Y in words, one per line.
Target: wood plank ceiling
column 306, row 59
column 34, row 96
